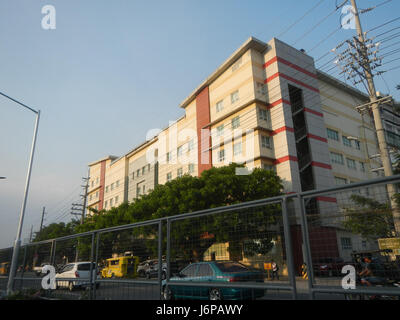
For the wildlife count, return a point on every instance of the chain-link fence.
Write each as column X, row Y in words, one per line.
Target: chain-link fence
column 339, row 243
column 351, row 242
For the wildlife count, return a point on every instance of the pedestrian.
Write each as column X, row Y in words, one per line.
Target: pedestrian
column 275, row 269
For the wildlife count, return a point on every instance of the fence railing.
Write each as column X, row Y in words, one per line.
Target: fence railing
column 230, row 252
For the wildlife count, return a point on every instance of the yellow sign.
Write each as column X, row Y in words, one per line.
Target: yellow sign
column 268, row 266
column 389, row 243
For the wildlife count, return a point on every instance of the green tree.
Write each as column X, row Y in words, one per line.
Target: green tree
column 216, row 187
column 56, row 230
column 369, row 218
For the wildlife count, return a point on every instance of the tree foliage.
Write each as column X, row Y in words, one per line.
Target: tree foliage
column 216, row 187
column 369, row 218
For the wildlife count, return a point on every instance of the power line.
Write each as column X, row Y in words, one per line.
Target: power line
column 297, row 21
column 320, row 22
column 382, row 25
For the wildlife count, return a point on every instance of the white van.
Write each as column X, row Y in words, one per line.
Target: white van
column 76, row 270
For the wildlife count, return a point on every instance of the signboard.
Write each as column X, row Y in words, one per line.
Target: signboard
column 390, row 243
column 268, row 266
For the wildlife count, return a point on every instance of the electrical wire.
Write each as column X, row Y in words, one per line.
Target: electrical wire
column 297, row 21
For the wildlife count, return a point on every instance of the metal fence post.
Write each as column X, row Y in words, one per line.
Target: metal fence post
column 97, row 266
column 160, row 257
column 306, row 246
column 53, row 252
column 288, row 247
column 168, row 249
column 92, row 280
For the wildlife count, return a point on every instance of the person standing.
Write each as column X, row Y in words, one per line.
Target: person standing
column 275, row 269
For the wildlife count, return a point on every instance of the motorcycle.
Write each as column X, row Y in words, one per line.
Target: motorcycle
column 378, row 283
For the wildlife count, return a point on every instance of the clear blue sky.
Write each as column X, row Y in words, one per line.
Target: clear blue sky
column 114, row 69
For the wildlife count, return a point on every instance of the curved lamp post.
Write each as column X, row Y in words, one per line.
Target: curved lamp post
column 17, row 243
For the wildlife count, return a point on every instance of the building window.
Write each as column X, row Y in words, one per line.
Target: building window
column 358, row 144
column 351, row 164
column 117, row 184
column 266, row 142
column 148, row 167
column 90, row 198
column 346, row 142
column 97, row 194
column 168, row 157
column 235, row 122
column 169, row 176
column 106, row 204
column 340, row 181
column 137, row 172
column 97, row 180
column 263, row 114
column 190, row 145
column 332, row 134
column 191, row 168
column 237, row 149
column 234, row 96
column 180, row 151
column 180, row 172
column 111, row 202
column 144, row 189
column 337, row 158
column 346, row 243
column 364, row 244
column 112, row 186
column 221, row 155
column 106, row 189
column 261, row 88
column 220, row 106
column 268, row 167
column 143, row 170
column 133, row 175
column 220, row 130
column 116, row 199
column 362, row 166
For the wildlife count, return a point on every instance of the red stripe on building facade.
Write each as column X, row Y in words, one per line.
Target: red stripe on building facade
column 292, row 65
column 282, row 130
column 203, row 135
column 278, row 102
column 284, row 76
column 314, row 112
column 313, row 136
column 326, row 199
column 285, row 159
column 102, row 183
column 321, row 165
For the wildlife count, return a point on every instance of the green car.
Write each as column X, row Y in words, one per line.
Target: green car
column 214, row 271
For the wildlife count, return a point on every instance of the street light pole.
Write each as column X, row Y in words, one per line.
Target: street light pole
column 17, row 243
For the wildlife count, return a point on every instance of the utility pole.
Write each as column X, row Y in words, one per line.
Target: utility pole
column 80, row 209
column 384, row 152
column 85, row 195
column 41, row 223
column 30, row 237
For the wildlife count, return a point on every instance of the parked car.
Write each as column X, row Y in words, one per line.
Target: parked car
column 39, row 269
column 143, row 266
column 214, row 271
column 152, row 270
column 79, row 271
column 328, row 267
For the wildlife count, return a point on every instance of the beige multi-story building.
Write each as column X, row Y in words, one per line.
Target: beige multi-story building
column 266, row 106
